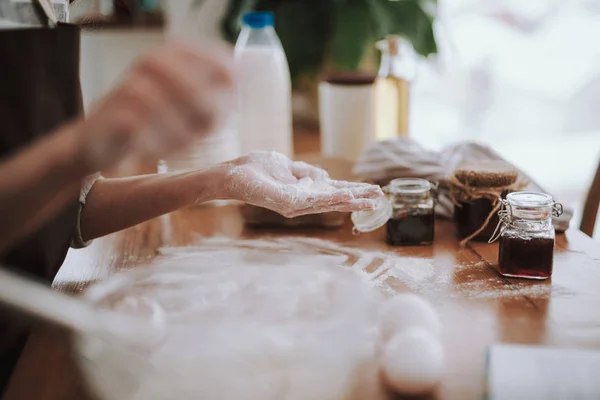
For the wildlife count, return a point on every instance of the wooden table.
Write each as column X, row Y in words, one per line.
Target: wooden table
column 478, row 307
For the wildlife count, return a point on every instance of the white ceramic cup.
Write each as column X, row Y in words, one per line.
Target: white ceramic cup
column 346, row 112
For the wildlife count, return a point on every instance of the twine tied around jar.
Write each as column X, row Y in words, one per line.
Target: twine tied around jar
column 462, row 192
column 506, row 217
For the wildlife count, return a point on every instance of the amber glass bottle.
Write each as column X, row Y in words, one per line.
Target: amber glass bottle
column 392, row 89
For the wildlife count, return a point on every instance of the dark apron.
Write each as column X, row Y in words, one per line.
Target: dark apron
column 39, row 91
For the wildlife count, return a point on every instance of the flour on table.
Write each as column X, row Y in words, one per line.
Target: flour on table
column 272, row 318
column 385, row 270
column 272, row 322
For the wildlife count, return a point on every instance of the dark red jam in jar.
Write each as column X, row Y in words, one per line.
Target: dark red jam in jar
column 411, row 230
column 469, row 216
column 528, row 258
column 527, row 235
column 412, row 222
column 476, row 188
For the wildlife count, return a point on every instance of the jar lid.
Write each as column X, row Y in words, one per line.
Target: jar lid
column 529, row 199
column 368, row 221
column 486, row 173
column 530, row 205
column 411, row 186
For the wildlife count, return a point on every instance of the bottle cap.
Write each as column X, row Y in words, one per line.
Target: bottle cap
column 368, row 221
column 259, row 19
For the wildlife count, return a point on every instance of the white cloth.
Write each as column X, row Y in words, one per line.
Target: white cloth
column 77, row 241
column 403, row 157
column 22, row 13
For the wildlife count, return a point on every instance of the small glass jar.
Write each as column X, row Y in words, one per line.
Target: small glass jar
column 470, row 216
column 476, row 187
column 527, row 235
column 412, row 220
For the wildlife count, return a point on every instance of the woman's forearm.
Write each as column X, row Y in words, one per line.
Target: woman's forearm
column 37, row 182
column 115, row 204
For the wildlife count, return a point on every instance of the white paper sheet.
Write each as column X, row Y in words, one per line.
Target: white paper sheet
column 533, row 372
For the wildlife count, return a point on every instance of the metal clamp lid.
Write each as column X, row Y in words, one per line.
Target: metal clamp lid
column 525, row 205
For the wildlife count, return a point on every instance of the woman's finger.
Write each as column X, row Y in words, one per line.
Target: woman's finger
column 349, row 206
column 355, row 205
column 299, row 199
column 216, row 55
column 195, row 85
column 300, row 169
column 347, row 184
column 369, row 192
column 163, row 130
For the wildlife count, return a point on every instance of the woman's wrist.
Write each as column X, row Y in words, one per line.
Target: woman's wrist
column 60, row 157
column 211, row 184
column 66, row 145
column 196, row 186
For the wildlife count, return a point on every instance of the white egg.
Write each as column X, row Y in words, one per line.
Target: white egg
column 405, row 311
column 413, row 362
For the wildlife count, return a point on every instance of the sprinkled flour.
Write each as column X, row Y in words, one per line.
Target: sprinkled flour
column 385, row 270
column 270, row 318
column 253, row 323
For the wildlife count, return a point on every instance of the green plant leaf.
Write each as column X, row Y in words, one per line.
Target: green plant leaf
column 312, row 30
column 409, row 19
column 232, row 18
column 380, row 18
column 352, row 33
column 303, row 31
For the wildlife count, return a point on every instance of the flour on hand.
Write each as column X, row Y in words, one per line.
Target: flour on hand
column 272, row 181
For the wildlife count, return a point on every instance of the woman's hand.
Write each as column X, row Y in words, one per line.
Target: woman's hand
column 265, row 179
column 171, row 96
column 271, row 180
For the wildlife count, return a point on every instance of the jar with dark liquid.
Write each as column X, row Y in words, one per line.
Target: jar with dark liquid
column 527, row 235
column 412, row 222
column 476, row 188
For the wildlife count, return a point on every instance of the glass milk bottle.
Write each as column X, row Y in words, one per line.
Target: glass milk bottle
column 392, row 103
column 265, row 109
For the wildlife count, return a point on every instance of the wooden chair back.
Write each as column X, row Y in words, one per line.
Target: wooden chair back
column 590, row 208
